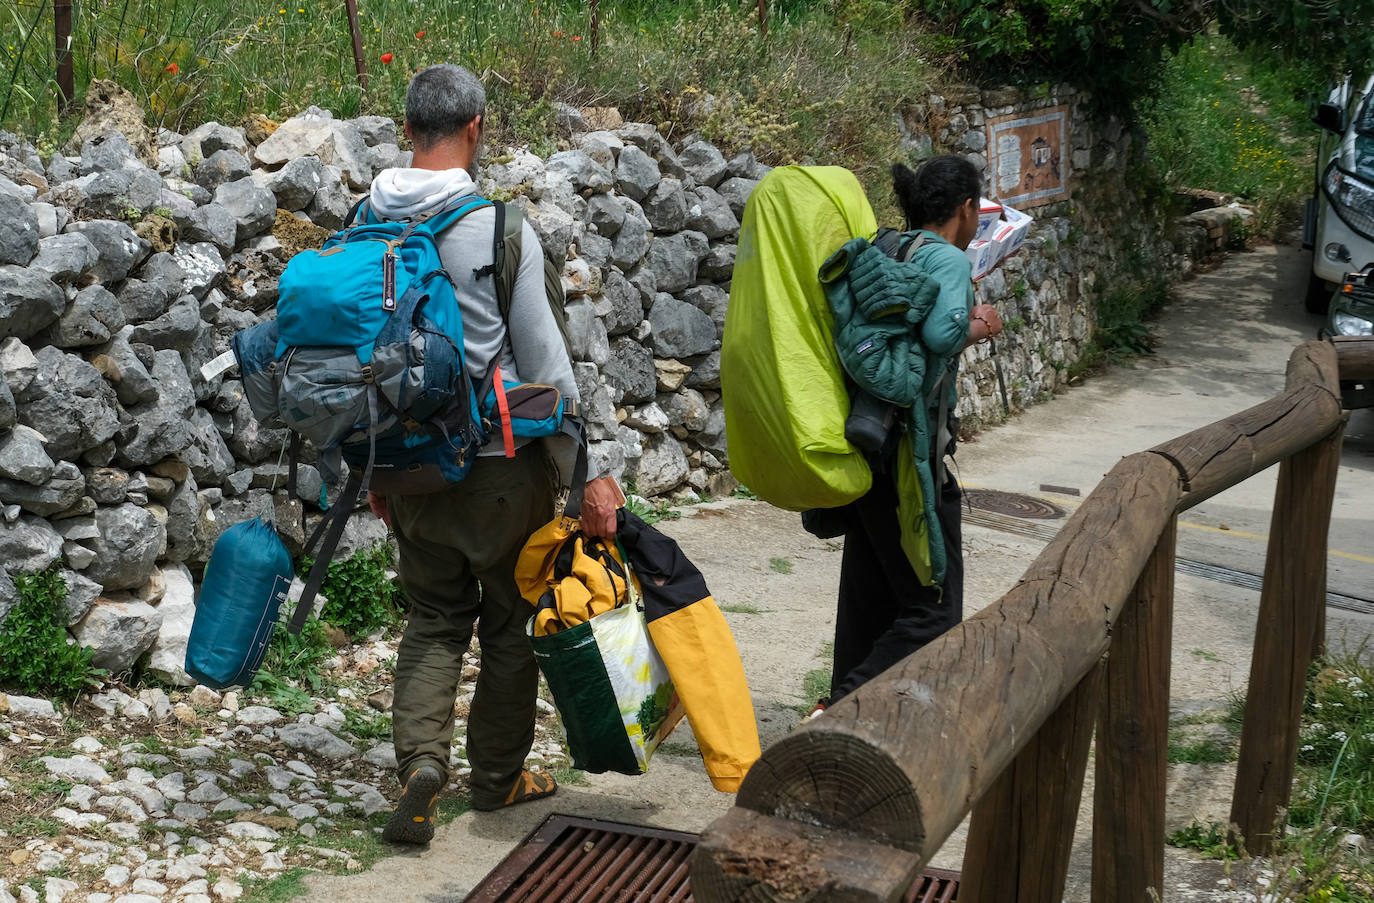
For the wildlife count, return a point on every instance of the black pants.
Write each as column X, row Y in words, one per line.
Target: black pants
column 885, row 614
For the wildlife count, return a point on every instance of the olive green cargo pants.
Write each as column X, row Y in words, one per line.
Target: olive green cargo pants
column 458, row 550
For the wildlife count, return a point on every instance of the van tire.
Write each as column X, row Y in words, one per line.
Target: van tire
column 1318, row 298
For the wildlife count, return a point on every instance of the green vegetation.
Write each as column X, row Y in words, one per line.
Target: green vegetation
column 791, row 96
column 742, row 608
column 1333, row 793
column 1228, row 121
column 1209, row 839
column 362, row 598
column 1335, row 776
column 35, row 656
column 651, row 512
column 780, row 565
column 1206, row 751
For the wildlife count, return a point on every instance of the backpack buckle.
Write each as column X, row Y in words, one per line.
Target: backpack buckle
column 367, row 374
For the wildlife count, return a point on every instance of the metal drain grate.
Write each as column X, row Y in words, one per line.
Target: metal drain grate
column 585, row 860
column 1012, row 503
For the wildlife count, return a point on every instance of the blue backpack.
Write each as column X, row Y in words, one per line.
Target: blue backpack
column 365, row 359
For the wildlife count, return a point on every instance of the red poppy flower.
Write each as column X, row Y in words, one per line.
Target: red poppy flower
column 577, row 37
column 558, row 34
column 387, row 58
column 173, row 68
column 419, row 34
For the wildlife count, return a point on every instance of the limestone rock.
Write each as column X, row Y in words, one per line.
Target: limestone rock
column 662, row 468
column 631, row 242
column 28, row 544
column 120, row 248
column 666, row 206
column 29, row 301
column 18, row 231
column 65, row 258
column 710, row 214
column 131, row 540
column 679, row 329
column 630, row 370
column 178, row 609
column 108, row 151
column 254, row 209
column 673, row 262
column 209, row 139
column 54, row 496
column 93, row 316
column 224, row 165
column 315, row 739
column 69, row 404
column 606, row 214
column 23, row 458
column 585, row 173
column 161, row 428
column 295, row 184
column 736, row 193
column 334, row 142
column 704, row 162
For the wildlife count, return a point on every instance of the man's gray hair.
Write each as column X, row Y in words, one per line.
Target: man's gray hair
column 441, row 100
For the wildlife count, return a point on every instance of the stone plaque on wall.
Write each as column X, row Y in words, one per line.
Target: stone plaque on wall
column 1028, row 156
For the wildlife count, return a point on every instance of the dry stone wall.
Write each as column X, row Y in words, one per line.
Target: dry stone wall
column 1101, row 235
column 131, row 260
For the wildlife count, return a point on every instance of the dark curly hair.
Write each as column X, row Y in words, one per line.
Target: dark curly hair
column 930, row 195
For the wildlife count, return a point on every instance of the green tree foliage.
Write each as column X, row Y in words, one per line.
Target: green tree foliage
column 1115, row 47
column 35, row 656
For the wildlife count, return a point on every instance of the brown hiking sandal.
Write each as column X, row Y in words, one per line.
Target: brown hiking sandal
column 529, row 785
column 413, row 820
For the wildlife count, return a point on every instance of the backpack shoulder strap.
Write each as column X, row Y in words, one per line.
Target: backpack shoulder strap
column 356, row 209
column 914, row 244
column 508, row 240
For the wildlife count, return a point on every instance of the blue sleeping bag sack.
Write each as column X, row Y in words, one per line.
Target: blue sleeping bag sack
column 246, row 582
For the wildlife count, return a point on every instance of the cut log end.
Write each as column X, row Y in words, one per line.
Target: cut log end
column 836, row 778
column 746, row 856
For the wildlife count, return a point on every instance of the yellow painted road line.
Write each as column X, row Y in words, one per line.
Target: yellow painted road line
column 1206, row 528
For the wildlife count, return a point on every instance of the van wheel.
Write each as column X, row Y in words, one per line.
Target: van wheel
column 1318, row 299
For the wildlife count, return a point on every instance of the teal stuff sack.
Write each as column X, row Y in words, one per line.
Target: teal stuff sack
column 246, row 582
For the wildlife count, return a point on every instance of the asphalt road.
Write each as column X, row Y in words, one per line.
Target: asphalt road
column 1224, row 344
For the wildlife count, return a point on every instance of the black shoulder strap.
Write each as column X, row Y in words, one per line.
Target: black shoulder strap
column 887, row 241
column 353, row 212
column 498, row 249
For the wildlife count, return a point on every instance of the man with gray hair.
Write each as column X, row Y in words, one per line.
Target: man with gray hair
column 458, row 546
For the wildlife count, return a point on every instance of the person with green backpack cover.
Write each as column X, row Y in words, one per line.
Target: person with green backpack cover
column 888, row 608
column 838, row 373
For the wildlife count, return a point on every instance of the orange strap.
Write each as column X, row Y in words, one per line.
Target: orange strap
column 503, row 409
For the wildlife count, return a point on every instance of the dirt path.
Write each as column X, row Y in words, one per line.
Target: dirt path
column 1224, row 345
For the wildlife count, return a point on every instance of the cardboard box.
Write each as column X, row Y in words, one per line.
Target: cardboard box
column 989, row 215
column 1021, row 222
column 1003, row 237
column 983, row 256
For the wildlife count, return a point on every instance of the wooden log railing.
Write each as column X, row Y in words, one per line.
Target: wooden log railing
column 996, row 716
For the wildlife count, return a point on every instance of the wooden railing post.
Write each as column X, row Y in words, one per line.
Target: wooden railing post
column 1133, row 739
column 1022, row 832
column 1292, row 605
column 62, row 51
column 358, row 62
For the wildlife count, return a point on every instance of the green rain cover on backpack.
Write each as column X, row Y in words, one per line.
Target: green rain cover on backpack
column 781, row 380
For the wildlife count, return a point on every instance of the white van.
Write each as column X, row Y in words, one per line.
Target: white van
column 1339, row 226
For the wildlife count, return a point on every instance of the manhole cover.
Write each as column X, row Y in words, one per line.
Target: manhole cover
column 1012, row 503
